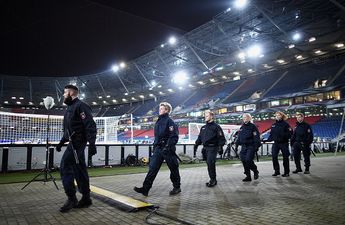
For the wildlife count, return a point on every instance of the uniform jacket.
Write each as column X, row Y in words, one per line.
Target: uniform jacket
column 211, row 135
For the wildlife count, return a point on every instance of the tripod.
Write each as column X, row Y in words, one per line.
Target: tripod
column 46, row 170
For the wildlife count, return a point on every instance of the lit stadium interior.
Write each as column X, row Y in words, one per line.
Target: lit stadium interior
column 254, row 56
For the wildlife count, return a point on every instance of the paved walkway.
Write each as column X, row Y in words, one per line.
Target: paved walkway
column 318, row 198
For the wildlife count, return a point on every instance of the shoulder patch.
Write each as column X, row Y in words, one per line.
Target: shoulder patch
column 82, row 115
column 254, row 133
column 309, row 130
column 171, row 128
column 220, row 133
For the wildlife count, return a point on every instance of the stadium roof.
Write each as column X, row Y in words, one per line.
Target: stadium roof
column 268, row 35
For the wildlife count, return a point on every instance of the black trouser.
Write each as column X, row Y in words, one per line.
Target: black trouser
column 156, row 161
column 211, row 154
column 69, row 171
column 247, row 155
column 297, row 148
column 284, row 147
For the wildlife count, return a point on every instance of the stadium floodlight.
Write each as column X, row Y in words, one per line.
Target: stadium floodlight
column 318, row 51
column 281, row 61
column 241, row 55
column 236, row 73
column 114, row 100
column 180, row 77
column 240, row 4
column 108, row 96
column 124, row 100
column 254, row 51
column 201, row 82
column 291, row 46
column 161, row 93
column 126, row 93
column 312, row 39
column 133, row 98
column 170, row 90
column 296, row 36
column 105, row 102
column 31, row 103
column 94, row 103
column 5, row 102
column 213, row 80
column 21, row 98
column 151, row 95
column 141, row 96
column 219, row 68
column 172, row 40
column 299, row 57
column 18, row 103
column 159, row 86
column 14, row 97
column 100, row 97
column 115, row 68
column 191, row 85
column 122, row 65
column 153, row 83
column 339, row 45
column 162, row 45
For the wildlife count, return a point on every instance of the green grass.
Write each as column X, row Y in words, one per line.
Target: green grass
column 15, row 177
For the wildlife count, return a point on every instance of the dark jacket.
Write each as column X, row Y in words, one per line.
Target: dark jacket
column 166, row 132
column 302, row 134
column 249, row 135
column 211, row 135
column 280, row 132
column 78, row 119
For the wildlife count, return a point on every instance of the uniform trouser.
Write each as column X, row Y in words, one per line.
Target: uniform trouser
column 211, row 154
column 297, row 148
column 284, row 147
column 247, row 155
column 69, row 171
column 156, row 161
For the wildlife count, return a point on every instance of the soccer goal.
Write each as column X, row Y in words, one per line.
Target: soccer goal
column 194, row 130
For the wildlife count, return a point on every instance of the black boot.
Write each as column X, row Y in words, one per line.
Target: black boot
column 211, row 183
column 84, row 202
column 141, row 191
column 306, row 170
column 297, row 170
column 69, row 204
column 175, row 191
column 285, row 175
column 248, row 178
column 256, row 175
column 275, row 174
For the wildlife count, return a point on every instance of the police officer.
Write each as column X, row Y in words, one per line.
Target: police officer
column 280, row 133
column 301, row 140
column 211, row 136
column 249, row 139
column 79, row 128
column 166, row 137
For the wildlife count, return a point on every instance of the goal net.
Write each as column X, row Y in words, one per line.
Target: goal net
column 17, row 128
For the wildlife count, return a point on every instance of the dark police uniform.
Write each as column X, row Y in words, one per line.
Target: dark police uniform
column 79, row 124
column 166, row 137
column 249, row 139
column 301, row 140
column 280, row 133
column 211, row 136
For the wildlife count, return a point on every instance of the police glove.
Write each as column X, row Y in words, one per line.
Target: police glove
column 59, row 146
column 92, row 149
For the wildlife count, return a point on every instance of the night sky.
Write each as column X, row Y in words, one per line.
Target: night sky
column 79, row 37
